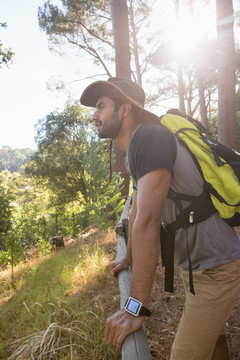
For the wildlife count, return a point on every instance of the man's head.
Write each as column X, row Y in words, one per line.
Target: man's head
column 120, row 91
column 108, row 117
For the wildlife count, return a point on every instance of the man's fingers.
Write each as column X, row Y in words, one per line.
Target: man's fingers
column 121, row 339
column 113, row 269
column 119, row 326
column 116, row 266
column 116, row 333
column 107, row 328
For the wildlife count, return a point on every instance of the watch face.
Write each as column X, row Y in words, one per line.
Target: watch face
column 133, row 306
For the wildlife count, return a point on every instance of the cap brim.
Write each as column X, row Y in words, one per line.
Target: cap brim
column 100, row 89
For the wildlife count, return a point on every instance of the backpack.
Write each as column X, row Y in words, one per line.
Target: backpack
column 219, row 168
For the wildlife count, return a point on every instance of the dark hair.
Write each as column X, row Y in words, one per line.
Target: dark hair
column 117, row 103
column 137, row 112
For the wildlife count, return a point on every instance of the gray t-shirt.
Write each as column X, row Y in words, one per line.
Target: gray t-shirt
column 212, row 242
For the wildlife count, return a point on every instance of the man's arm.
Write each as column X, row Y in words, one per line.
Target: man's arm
column 152, row 192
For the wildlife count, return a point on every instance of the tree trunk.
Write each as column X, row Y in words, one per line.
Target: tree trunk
column 181, row 89
column 135, row 44
column 180, row 71
column 119, row 166
column 199, row 75
column 119, row 14
column 227, row 122
column 202, row 102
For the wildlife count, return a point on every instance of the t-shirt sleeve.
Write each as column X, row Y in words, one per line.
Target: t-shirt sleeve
column 152, row 147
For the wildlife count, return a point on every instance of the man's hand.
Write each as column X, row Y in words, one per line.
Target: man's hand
column 118, row 265
column 120, row 325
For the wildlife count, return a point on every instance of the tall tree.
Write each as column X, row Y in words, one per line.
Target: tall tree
column 227, row 122
column 165, row 60
column 135, row 46
column 61, row 139
column 87, row 26
column 119, row 15
column 181, row 89
column 201, row 92
column 200, row 64
column 83, row 24
column 61, row 160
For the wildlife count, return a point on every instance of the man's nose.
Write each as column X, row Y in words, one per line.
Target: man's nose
column 95, row 116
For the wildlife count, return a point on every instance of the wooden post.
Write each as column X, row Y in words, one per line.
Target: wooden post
column 135, row 346
column 56, row 222
column 73, row 225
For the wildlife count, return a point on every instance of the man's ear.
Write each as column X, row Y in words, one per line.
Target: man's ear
column 125, row 109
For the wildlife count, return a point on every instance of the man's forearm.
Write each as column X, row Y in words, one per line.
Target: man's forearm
column 145, row 250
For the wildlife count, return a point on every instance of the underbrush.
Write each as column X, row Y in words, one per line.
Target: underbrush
column 58, row 305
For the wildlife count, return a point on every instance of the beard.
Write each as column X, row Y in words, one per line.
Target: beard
column 110, row 130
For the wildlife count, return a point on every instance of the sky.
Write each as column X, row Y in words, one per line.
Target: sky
column 24, row 96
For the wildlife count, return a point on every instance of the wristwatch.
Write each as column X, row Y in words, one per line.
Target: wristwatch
column 136, row 308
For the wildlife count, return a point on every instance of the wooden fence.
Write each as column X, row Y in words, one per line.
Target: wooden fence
column 135, row 346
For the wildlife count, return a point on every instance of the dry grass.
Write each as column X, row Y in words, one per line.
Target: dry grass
column 66, row 320
column 57, row 308
column 68, row 341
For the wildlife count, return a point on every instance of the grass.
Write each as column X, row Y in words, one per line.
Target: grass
column 57, row 308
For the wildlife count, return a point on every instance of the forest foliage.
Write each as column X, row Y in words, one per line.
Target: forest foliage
column 173, row 51
column 63, row 188
column 13, row 159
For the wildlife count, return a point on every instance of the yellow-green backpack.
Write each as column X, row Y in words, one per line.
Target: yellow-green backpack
column 219, row 167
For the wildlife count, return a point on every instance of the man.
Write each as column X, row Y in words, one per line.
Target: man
column 155, row 160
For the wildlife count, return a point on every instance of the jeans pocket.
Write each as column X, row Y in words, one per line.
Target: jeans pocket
column 215, row 274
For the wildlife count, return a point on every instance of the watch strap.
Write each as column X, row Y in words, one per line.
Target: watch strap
column 144, row 311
